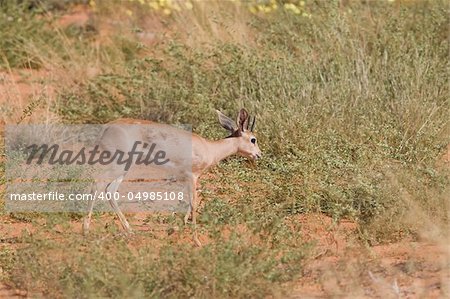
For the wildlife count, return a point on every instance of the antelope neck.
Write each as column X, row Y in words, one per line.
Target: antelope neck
column 223, row 148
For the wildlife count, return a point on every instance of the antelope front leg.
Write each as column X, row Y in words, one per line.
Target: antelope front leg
column 192, row 209
column 192, row 201
column 188, row 213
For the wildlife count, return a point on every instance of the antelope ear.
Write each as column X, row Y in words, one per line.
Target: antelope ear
column 226, row 122
column 242, row 120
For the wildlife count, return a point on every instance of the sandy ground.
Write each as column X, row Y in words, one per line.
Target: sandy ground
column 339, row 268
column 343, row 268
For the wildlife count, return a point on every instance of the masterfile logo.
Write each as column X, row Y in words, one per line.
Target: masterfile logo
column 53, row 168
column 55, row 155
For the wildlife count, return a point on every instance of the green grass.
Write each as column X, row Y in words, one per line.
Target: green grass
column 352, row 113
column 106, row 267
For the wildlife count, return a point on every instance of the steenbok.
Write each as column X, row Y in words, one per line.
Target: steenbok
column 122, row 135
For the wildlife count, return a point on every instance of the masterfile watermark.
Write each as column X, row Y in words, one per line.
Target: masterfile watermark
column 104, row 157
column 104, row 196
column 53, row 168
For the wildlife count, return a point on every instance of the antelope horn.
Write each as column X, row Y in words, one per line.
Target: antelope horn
column 253, row 124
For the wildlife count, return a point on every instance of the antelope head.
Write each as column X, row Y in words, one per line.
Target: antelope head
column 243, row 132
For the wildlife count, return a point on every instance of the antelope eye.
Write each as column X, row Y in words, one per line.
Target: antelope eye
column 253, row 140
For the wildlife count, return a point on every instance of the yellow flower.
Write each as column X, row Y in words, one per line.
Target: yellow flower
column 306, row 15
column 188, row 5
column 92, row 4
column 154, row 5
column 292, row 7
column 267, row 9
